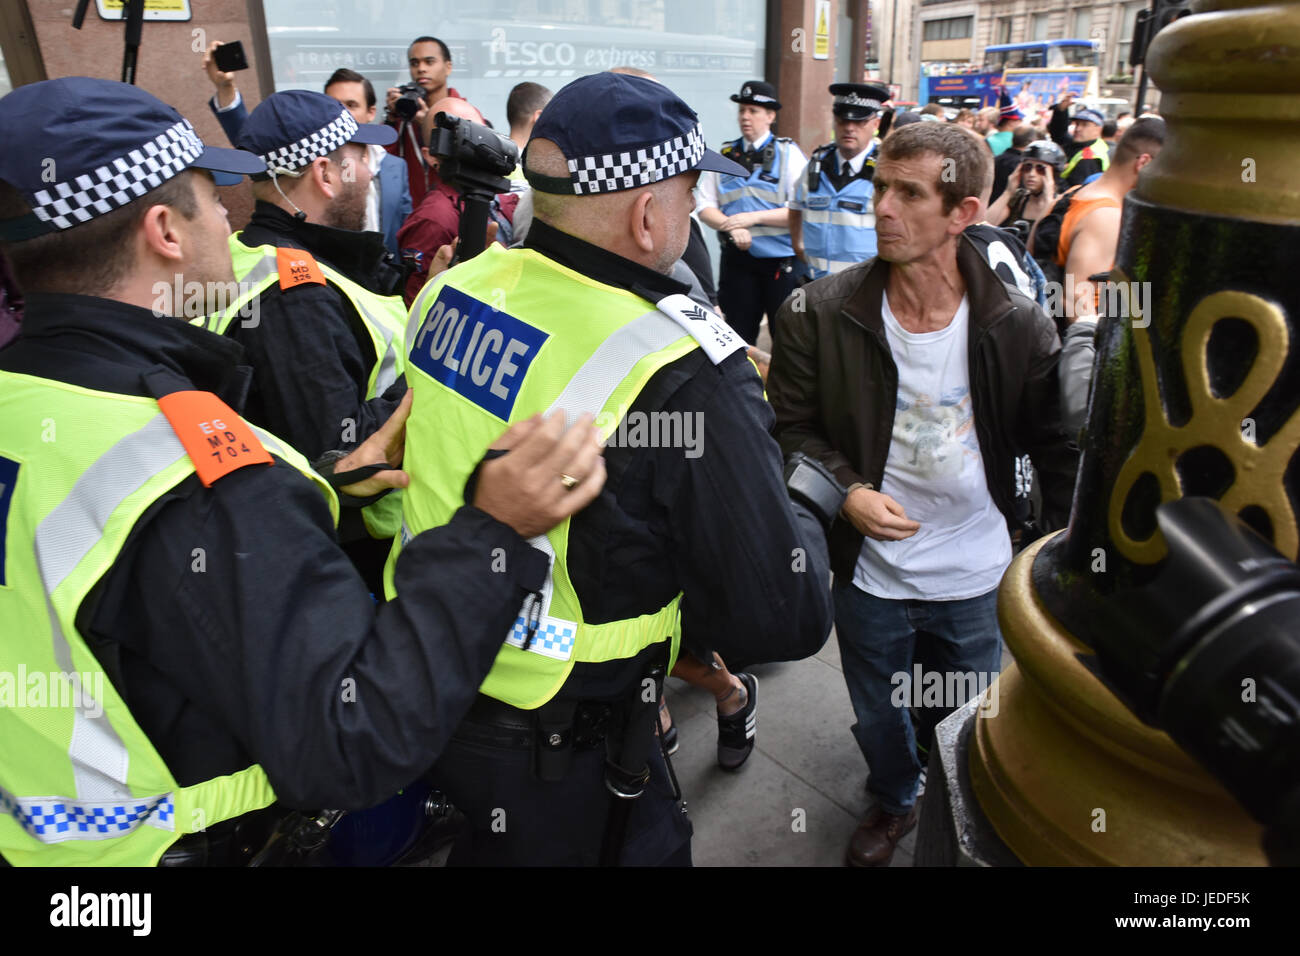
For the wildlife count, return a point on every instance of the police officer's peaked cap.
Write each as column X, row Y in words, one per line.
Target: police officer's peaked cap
column 292, row 128
column 621, row 132
column 858, row 101
column 757, row 93
column 78, row 147
column 1087, row 115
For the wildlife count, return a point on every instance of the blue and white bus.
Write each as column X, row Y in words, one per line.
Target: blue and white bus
column 1039, row 54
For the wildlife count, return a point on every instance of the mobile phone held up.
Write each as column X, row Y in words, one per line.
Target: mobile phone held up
column 229, row 57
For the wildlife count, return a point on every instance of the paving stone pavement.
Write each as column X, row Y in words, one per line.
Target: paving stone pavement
column 805, row 769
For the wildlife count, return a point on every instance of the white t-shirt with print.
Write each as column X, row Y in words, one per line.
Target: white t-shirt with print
column 934, row 470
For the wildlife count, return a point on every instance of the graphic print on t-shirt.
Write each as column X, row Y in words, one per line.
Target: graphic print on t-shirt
column 939, row 435
column 934, row 470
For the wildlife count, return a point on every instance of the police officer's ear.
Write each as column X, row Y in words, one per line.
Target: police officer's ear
column 323, row 177
column 643, row 215
column 167, row 228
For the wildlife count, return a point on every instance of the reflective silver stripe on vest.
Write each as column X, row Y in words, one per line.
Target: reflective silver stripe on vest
column 836, row 217
column 388, row 361
column 266, row 267
column 769, row 197
column 832, row 266
column 592, row 385
column 588, row 391
column 103, row 806
column 262, row 269
column 269, row 441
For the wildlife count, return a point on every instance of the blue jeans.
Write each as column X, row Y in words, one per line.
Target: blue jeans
column 878, row 639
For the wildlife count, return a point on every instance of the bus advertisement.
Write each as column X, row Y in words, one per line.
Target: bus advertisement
column 1034, row 91
column 1032, row 67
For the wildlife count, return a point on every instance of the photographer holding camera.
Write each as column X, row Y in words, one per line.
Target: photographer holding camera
column 429, row 60
column 436, row 221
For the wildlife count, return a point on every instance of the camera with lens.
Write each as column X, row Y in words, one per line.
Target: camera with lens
column 475, row 161
column 410, row 100
column 1209, row 652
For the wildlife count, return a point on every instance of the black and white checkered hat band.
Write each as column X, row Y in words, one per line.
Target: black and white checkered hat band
column 852, row 99
column 320, row 143
column 760, row 98
column 641, row 167
column 119, row 182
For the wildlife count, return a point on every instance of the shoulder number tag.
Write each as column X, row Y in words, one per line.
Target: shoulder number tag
column 217, row 439
column 297, row 267
column 715, row 336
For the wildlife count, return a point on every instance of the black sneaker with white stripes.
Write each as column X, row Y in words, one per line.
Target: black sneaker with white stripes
column 736, row 731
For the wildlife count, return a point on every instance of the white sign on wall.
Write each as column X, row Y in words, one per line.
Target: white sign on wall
column 153, row 9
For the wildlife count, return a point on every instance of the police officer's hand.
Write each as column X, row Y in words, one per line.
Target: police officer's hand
column 386, row 445
column 761, row 359
column 741, row 238
column 526, row 488
column 878, row 516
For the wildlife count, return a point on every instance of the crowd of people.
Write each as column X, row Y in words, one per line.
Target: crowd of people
column 391, row 521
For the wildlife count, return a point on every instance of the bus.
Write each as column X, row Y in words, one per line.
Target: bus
column 1039, row 54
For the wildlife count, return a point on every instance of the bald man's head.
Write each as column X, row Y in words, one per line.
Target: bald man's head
column 649, row 224
column 452, row 105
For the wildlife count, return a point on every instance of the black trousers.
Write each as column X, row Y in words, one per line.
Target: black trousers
column 748, row 288
column 516, row 819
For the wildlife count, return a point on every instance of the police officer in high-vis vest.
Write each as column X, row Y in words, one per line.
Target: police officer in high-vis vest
column 832, row 222
column 748, row 208
column 319, row 312
column 694, row 529
column 194, row 653
column 1080, row 136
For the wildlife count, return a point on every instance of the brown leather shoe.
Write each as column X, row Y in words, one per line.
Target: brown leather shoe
column 878, row 834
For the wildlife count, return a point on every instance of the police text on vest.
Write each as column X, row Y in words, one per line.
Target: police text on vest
column 478, row 351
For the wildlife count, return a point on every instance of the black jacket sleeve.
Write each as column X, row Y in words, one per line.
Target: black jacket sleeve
column 274, row 638
column 1058, row 127
column 1039, row 427
column 310, row 372
column 792, row 387
column 754, row 565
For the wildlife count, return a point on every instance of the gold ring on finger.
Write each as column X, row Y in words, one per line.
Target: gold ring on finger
column 569, row 482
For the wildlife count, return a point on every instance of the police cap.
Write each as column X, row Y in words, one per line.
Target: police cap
column 1087, row 115
column 757, row 93
column 292, row 128
column 82, row 147
column 858, row 101
column 621, row 132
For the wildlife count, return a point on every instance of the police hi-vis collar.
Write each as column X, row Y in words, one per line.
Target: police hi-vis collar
column 81, row 147
column 621, row 132
column 292, row 128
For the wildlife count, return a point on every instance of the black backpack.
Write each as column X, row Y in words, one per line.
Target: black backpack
column 1048, row 237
